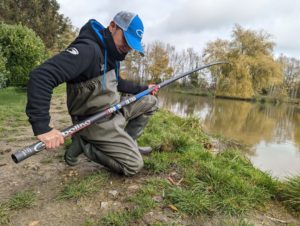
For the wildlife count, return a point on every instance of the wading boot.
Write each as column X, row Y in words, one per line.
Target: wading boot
column 145, row 150
column 135, row 129
column 71, row 155
column 92, row 153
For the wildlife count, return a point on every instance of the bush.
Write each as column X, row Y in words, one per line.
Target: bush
column 23, row 50
column 3, row 72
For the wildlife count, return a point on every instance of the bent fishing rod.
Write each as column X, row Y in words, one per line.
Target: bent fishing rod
column 26, row 152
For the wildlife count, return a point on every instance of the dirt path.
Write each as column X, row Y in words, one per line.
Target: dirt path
column 46, row 174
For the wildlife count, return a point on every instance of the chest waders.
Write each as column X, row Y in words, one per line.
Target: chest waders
column 110, row 141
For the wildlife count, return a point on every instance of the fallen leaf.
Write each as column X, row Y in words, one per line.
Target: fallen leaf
column 171, row 180
column 178, row 183
column 172, row 207
column 33, row 223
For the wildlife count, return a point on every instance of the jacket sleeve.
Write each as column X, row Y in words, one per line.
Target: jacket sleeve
column 126, row 86
column 63, row 67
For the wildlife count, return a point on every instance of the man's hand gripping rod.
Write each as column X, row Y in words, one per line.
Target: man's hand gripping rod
column 26, row 152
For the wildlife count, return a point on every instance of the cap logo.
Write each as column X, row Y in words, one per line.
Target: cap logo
column 139, row 33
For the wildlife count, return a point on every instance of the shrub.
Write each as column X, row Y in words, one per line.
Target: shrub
column 23, row 50
column 3, row 72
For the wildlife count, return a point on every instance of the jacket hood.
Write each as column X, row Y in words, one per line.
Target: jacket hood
column 89, row 31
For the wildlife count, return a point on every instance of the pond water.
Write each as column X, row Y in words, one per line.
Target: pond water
column 271, row 131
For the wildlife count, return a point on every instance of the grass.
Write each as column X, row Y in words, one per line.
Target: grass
column 46, row 160
column 22, row 200
column 19, row 201
column 224, row 184
column 12, row 108
column 241, row 223
column 60, row 90
column 118, row 218
column 160, row 161
column 186, row 200
column 4, row 214
column 84, row 187
column 90, row 223
column 168, row 133
column 195, row 91
column 141, row 203
column 289, row 193
column 67, row 143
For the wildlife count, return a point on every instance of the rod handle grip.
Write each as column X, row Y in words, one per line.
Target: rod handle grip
column 28, row 151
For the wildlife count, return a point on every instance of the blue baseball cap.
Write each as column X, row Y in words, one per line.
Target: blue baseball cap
column 133, row 29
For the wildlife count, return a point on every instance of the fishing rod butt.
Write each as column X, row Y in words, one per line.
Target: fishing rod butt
column 17, row 157
column 26, row 152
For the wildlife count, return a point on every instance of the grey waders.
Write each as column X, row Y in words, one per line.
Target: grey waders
column 109, row 142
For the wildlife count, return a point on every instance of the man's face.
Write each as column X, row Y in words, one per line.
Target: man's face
column 119, row 38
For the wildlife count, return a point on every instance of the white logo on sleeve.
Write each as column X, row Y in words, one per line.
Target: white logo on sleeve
column 72, row 50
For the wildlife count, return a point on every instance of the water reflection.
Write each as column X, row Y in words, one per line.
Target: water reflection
column 272, row 131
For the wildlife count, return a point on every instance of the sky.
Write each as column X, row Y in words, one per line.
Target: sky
column 193, row 23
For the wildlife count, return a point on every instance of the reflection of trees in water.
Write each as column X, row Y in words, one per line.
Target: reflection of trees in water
column 182, row 104
column 240, row 121
column 285, row 122
column 243, row 121
column 297, row 128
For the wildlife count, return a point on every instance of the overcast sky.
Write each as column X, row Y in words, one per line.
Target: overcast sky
column 192, row 23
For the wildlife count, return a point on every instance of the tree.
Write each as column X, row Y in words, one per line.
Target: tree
column 193, row 62
column 65, row 38
column 291, row 69
column 158, row 62
column 176, row 60
column 132, row 66
column 213, row 52
column 291, row 73
column 42, row 16
column 252, row 69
